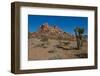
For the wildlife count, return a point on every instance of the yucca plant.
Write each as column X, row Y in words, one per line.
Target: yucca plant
column 78, row 33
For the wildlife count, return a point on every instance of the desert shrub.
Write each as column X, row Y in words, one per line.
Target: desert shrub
column 42, row 44
column 38, row 45
column 51, row 51
column 56, row 56
column 65, row 38
column 60, row 41
column 32, row 43
column 59, row 38
column 82, row 55
column 63, row 45
column 47, row 43
column 63, row 42
column 45, row 47
column 66, row 43
column 44, row 39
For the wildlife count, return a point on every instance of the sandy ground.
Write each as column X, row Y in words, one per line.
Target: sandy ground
column 39, row 50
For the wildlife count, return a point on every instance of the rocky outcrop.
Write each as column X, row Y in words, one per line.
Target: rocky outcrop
column 46, row 28
column 51, row 32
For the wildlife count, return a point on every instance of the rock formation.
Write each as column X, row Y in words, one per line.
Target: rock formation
column 52, row 32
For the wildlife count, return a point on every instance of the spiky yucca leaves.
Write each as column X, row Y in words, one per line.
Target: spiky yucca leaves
column 78, row 33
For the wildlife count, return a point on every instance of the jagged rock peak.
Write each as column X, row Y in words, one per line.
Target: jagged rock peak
column 48, row 28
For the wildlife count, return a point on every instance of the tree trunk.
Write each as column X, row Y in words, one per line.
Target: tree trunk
column 77, row 40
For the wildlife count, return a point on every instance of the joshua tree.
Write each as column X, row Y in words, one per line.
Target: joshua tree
column 78, row 33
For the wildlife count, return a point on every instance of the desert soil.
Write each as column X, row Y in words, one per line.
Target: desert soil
column 39, row 50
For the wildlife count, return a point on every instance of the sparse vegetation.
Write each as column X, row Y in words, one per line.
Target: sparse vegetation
column 32, row 43
column 55, row 56
column 82, row 55
column 44, row 39
column 44, row 45
column 64, row 45
column 59, row 38
column 78, row 33
column 52, row 51
column 38, row 45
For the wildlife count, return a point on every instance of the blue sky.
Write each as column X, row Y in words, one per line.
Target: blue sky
column 66, row 23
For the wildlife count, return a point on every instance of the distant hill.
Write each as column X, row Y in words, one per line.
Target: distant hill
column 51, row 32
